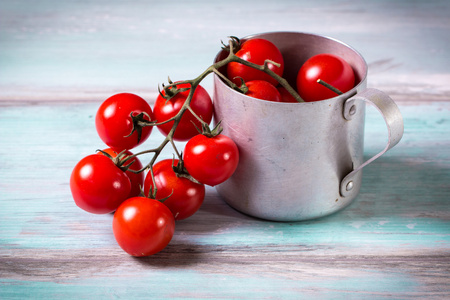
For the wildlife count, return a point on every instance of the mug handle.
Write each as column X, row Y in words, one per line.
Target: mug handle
column 394, row 122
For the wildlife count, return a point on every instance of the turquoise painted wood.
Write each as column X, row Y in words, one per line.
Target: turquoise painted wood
column 393, row 241
column 60, row 59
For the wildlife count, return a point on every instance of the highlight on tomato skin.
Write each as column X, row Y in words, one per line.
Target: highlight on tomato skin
column 211, row 160
column 97, row 185
column 330, row 68
column 143, row 226
column 185, row 197
column 114, row 123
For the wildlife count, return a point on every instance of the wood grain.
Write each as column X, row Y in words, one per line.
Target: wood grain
column 59, row 60
column 392, row 242
column 90, row 49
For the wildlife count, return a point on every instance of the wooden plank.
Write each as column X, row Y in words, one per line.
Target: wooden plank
column 392, row 242
column 88, row 50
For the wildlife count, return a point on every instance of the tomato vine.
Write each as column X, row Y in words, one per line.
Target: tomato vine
column 105, row 182
column 171, row 90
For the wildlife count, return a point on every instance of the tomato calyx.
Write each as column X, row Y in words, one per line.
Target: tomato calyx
column 152, row 194
column 140, row 122
column 120, row 159
column 181, row 171
column 243, row 88
column 208, row 132
column 171, row 90
column 215, row 132
column 153, row 189
column 234, row 44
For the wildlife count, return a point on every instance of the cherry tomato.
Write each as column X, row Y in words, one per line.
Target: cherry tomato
column 137, row 179
column 114, row 123
column 211, row 160
column 285, row 95
column 143, row 226
column 263, row 90
column 256, row 51
column 98, row 186
column 328, row 67
column 185, row 196
column 201, row 104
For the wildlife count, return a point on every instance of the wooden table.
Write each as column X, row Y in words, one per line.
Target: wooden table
column 59, row 60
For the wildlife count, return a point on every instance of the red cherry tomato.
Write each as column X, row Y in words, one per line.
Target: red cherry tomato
column 185, row 196
column 263, row 90
column 211, row 160
column 256, row 51
column 201, row 104
column 137, row 179
column 328, row 67
column 285, row 95
column 98, row 186
column 143, row 226
column 113, row 121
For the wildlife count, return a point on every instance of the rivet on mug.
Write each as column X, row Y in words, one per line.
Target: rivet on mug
column 349, row 110
column 349, row 186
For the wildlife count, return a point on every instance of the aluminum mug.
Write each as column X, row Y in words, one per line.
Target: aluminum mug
column 300, row 161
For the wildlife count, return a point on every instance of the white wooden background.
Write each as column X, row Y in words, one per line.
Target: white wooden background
column 69, row 50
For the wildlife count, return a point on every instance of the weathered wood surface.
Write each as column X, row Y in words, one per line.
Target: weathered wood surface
column 392, row 242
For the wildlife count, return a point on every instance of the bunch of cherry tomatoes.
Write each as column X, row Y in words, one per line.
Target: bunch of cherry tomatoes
column 147, row 205
column 147, row 199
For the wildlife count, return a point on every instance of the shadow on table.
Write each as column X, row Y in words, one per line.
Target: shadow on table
column 392, row 190
column 390, row 187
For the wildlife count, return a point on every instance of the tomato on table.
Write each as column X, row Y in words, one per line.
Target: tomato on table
column 164, row 109
column 330, row 68
column 211, row 160
column 99, row 186
column 184, row 196
column 143, row 226
column 256, row 51
column 114, row 123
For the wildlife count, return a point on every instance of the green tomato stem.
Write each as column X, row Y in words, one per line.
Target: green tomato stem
column 329, row 86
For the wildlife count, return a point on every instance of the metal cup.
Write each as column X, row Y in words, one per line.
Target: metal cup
column 300, row 161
